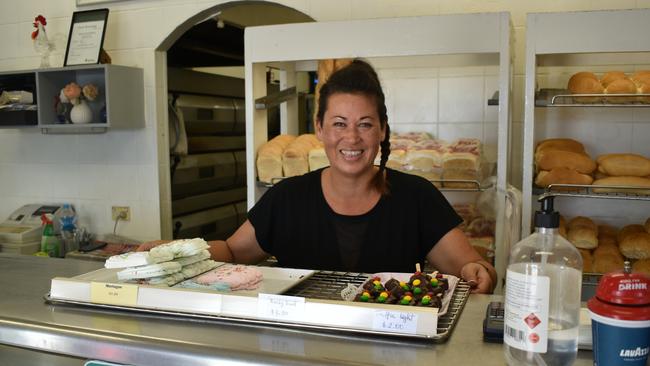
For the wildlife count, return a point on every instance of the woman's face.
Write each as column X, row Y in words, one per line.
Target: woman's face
column 351, row 132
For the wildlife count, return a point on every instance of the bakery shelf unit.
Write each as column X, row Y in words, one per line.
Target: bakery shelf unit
column 119, row 104
column 557, row 46
column 416, row 49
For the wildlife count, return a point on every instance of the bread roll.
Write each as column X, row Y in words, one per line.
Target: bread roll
column 318, row 159
column 583, row 237
column 295, row 158
column 563, row 144
column 642, row 266
column 640, row 75
column 549, row 159
column 561, row 176
column 269, row 158
column 585, row 83
column 625, row 182
column 629, row 229
column 607, row 264
column 607, row 240
column 624, row 165
column 582, row 221
column 587, row 260
column 621, row 86
column 647, row 225
column 612, row 76
column 636, row 245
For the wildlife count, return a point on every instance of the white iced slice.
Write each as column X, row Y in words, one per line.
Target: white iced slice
column 180, row 248
column 152, row 270
column 133, row 259
column 184, row 261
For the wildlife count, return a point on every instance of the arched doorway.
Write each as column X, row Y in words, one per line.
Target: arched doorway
column 207, row 43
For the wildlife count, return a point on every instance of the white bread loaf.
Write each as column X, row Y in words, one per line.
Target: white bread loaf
column 295, row 158
column 624, row 182
column 624, row 165
column 583, row 237
column 318, row 159
column 561, row 176
column 269, row 158
column 636, row 245
column 426, row 155
column 564, row 144
column 550, row 159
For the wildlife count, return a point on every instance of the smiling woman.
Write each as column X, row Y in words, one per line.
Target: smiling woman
column 353, row 215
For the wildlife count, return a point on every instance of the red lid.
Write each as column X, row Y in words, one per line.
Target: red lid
column 622, row 295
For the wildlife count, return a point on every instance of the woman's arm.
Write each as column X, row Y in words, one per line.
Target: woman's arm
column 453, row 254
column 240, row 247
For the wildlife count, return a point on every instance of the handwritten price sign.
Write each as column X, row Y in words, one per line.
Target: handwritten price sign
column 280, row 307
column 395, row 321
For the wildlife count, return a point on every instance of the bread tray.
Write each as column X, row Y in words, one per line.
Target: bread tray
column 323, row 311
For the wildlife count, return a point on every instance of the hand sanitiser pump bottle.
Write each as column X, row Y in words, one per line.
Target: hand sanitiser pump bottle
column 542, row 296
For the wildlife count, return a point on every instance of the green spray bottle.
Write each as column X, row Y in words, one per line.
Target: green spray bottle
column 50, row 244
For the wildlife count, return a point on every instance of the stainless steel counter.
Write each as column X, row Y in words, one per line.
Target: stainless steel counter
column 144, row 339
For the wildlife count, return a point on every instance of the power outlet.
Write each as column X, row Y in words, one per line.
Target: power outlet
column 121, row 212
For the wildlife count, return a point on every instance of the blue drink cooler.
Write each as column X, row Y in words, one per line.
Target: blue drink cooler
column 620, row 319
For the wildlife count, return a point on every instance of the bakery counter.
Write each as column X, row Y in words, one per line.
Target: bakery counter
column 26, row 321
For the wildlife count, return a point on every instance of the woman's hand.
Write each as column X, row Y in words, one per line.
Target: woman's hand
column 150, row 244
column 478, row 277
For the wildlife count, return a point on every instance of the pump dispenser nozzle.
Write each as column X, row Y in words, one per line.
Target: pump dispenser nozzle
column 547, row 217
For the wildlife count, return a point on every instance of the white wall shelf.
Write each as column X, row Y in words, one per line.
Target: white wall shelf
column 468, row 40
column 558, row 45
column 121, row 92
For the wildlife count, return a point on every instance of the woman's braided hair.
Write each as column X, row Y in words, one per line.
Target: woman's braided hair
column 360, row 78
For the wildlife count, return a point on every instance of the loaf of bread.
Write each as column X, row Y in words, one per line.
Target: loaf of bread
column 607, row 250
column 583, row 237
column 621, row 86
column 607, row 264
column 624, row 165
column 624, row 182
column 582, row 221
column 585, row 83
column 269, row 158
column 629, row 229
column 318, row 159
column 426, row 155
column 607, row 230
column 640, row 75
column 647, row 225
column 610, row 77
column 643, row 87
column 642, row 266
column 606, row 240
column 549, row 159
column 564, row 144
column 561, row 176
column 587, row 260
column 295, row 158
column 636, row 245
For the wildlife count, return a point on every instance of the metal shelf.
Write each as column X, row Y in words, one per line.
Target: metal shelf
column 564, row 98
column 439, row 183
column 587, row 191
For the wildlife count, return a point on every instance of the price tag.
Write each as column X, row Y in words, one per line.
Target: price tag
column 395, row 321
column 280, row 307
column 113, row 293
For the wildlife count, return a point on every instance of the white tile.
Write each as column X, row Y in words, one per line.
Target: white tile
column 430, row 128
column 641, row 139
column 147, row 183
column 407, row 108
column 123, row 182
column 65, row 181
column 612, row 138
column 120, row 147
column 453, row 131
column 332, row 10
column 92, row 148
column 404, row 73
column 461, row 71
column 91, row 214
column 393, row 8
column 461, row 99
column 9, row 179
column 94, row 181
column 10, row 37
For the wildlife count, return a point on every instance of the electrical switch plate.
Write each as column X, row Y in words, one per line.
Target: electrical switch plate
column 123, row 212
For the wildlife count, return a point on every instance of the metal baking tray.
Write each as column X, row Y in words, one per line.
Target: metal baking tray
column 586, row 191
column 564, row 98
column 324, row 285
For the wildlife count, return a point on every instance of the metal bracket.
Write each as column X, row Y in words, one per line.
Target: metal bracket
column 274, row 99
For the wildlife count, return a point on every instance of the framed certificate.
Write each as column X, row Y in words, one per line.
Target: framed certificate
column 86, row 37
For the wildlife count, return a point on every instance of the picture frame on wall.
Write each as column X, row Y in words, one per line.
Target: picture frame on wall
column 86, row 37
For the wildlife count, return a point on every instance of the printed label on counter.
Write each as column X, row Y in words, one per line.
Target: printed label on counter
column 395, row 321
column 114, row 293
column 526, row 312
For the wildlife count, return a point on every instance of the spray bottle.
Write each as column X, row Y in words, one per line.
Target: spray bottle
column 50, row 244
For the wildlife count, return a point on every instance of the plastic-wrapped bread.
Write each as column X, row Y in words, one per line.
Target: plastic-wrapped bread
column 463, row 154
column 426, row 155
column 624, row 165
column 269, row 158
column 318, row 159
column 295, row 158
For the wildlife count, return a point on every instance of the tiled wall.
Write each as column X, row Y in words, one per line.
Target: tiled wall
column 122, row 168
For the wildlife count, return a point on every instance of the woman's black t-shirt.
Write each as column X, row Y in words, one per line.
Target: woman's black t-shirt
column 294, row 223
